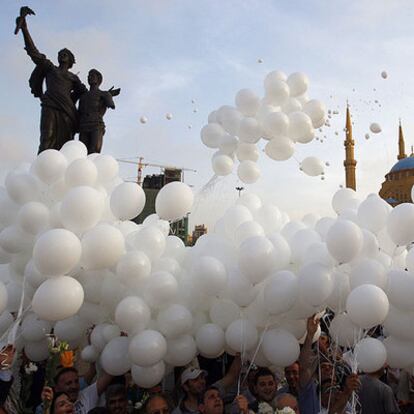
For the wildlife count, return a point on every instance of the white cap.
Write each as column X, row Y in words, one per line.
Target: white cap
column 191, row 373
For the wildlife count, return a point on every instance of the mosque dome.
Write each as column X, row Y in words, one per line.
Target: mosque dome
column 404, row 164
column 396, row 188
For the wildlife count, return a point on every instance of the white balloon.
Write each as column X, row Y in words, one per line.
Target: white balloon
column 276, row 124
column 89, row 354
column 373, row 213
column 81, row 208
column 399, row 352
column 368, row 271
column 21, row 187
column 49, row 166
column 229, row 118
column 210, row 340
column 316, row 110
column 3, row 297
column 291, row 105
column 370, row 354
column 246, row 230
column 81, row 172
column 33, row 217
column 102, row 247
column 312, row 166
column 240, row 289
column 298, row 83
column 114, row 358
column 249, row 130
column 343, row 199
column 107, row 167
column 175, row 320
column 150, row 240
column 344, row 240
column 247, row 102
column 161, row 289
column 58, row 298
column 281, row 292
column 134, row 269
column 147, row 377
column 241, row 335
column 73, row 150
column 300, row 127
column 280, row 347
column 13, row 240
column 70, row 329
column 223, row 312
column 132, row 314
column 34, row 329
column 174, row 201
column 280, row 149
column 180, row 351
column 248, row 172
column 147, row 348
column 301, row 242
column 222, row 165
column 209, row 275
column 367, row 306
column 228, row 144
column 212, row 134
column 127, row 201
column 61, row 245
column 315, row 284
column 250, row 200
column 247, row 152
column 282, row 250
column 277, row 90
column 398, row 224
column 37, row 351
column 375, row 128
column 340, row 292
column 256, row 258
column 343, row 331
column 401, row 289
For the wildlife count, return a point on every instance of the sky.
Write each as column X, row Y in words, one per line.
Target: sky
column 165, row 53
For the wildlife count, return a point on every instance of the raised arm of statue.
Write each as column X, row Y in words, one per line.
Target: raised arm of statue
column 29, row 45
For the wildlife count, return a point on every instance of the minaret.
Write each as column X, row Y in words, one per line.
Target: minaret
column 350, row 162
column 401, row 144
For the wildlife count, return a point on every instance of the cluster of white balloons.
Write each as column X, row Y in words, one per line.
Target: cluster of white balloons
column 248, row 286
column 284, row 117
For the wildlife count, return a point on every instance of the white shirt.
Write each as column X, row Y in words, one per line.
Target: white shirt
column 88, row 399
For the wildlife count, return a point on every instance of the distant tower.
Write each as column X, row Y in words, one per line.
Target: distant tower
column 401, row 144
column 350, row 162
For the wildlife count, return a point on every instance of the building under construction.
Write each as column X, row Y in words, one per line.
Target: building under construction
column 151, row 185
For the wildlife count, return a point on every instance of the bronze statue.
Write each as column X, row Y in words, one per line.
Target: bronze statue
column 59, row 117
column 92, row 108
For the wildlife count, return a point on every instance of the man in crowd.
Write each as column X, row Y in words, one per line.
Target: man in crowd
column 376, row 397
column 67, row 381
column 116, row 399
column 212, row 403
column 157, row 404
column 265, row 387
column 193, row 383
column 292, row 379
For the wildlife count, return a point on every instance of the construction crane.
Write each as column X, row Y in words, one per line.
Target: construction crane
column 141, row 165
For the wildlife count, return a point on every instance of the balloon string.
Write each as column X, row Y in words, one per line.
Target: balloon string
column 256, row 351
column 243, row 348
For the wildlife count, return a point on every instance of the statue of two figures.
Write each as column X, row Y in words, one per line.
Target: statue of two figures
column 60, row 118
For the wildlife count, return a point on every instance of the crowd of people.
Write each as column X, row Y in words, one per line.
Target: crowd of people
column 321, row 381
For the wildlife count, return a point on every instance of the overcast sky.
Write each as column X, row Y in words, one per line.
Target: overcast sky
column 163, row 54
